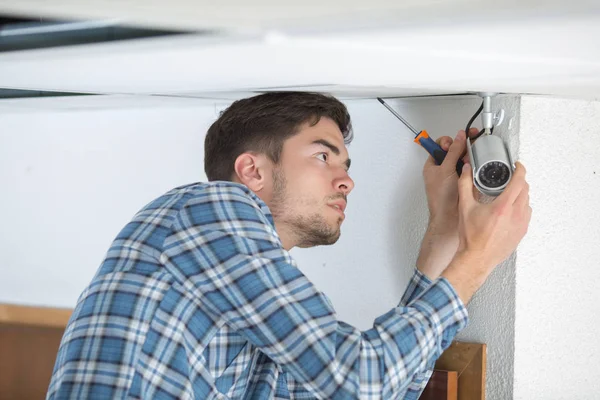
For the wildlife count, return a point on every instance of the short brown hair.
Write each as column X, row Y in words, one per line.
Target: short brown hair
column 262, row 124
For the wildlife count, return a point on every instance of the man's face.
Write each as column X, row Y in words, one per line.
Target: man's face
column 310, row 185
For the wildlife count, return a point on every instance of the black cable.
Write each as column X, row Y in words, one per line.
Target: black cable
column 471, row 121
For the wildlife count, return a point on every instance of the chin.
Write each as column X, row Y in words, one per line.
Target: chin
column 333, row 238
column 316, row 244
column 314, row 239
column 317, row 230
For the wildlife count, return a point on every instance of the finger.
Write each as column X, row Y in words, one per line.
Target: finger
column 465, row 187
column 515, row 186
column 456, row 151
column 444, row 142
column 473, row 132
column 430, row 162
column 522, row 200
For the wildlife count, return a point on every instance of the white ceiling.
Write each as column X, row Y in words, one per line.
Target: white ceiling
column 317, row 15
column 351, row 48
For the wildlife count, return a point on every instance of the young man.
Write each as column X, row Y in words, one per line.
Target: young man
column 198, row 297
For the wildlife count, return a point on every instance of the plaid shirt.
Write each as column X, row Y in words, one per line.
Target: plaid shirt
column 197, row 299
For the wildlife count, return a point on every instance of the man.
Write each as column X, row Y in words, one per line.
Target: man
column 198, row 297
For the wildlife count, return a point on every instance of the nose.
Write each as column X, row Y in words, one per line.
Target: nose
column 344, row 183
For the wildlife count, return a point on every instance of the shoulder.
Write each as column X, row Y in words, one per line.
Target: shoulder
column 224, row 192
column 222, row 202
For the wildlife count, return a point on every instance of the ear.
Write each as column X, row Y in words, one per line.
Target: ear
column 250, row 170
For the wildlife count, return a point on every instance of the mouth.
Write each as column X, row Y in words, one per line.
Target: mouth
column 339, row 206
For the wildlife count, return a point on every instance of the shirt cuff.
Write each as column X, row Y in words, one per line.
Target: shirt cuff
column 417, row 284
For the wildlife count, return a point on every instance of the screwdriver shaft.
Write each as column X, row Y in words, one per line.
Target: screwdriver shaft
column 405, row 122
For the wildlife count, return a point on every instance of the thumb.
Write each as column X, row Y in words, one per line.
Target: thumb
column 465, row 187
column 444, row 142
column 456, row 150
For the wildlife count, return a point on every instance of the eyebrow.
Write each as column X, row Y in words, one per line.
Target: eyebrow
column 333, row 148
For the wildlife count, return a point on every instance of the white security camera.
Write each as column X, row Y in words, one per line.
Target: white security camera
column 490, row 158
column 491, row 163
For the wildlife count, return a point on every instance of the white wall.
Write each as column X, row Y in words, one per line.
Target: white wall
column 557, row 345
column 71, row 179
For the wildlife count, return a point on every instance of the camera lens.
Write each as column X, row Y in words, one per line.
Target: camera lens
column 494, row 174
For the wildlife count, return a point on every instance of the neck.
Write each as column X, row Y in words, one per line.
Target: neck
column 285, row 234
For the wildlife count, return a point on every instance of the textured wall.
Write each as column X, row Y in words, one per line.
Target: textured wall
column 492, row 309
column 71, row 180
column 558, row 265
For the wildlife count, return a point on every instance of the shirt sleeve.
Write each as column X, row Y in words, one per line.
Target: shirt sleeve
column 417, row 284
column 224, row 249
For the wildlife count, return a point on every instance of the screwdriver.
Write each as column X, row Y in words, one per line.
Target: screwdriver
column 422, row 138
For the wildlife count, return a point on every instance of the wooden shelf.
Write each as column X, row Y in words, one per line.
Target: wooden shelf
column 469, row 362
column 34, row 316
column 29, row 340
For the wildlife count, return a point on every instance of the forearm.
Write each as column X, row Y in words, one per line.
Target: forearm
column 437, row 251
column 466, row 273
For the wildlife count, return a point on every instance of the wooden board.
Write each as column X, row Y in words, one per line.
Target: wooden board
column 29, row 340
column 27, row 355
column 36, row 316
column 469, row 360
column 443, row 385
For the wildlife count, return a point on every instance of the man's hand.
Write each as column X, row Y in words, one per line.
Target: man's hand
column 488, row 233
column 441, row 186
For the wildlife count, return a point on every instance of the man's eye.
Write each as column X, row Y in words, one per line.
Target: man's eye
column 322, row 156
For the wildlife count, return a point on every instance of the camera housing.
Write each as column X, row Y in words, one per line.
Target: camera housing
column 492, row 164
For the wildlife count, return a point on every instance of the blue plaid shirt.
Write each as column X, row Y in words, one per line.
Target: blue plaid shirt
column 197, row 299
